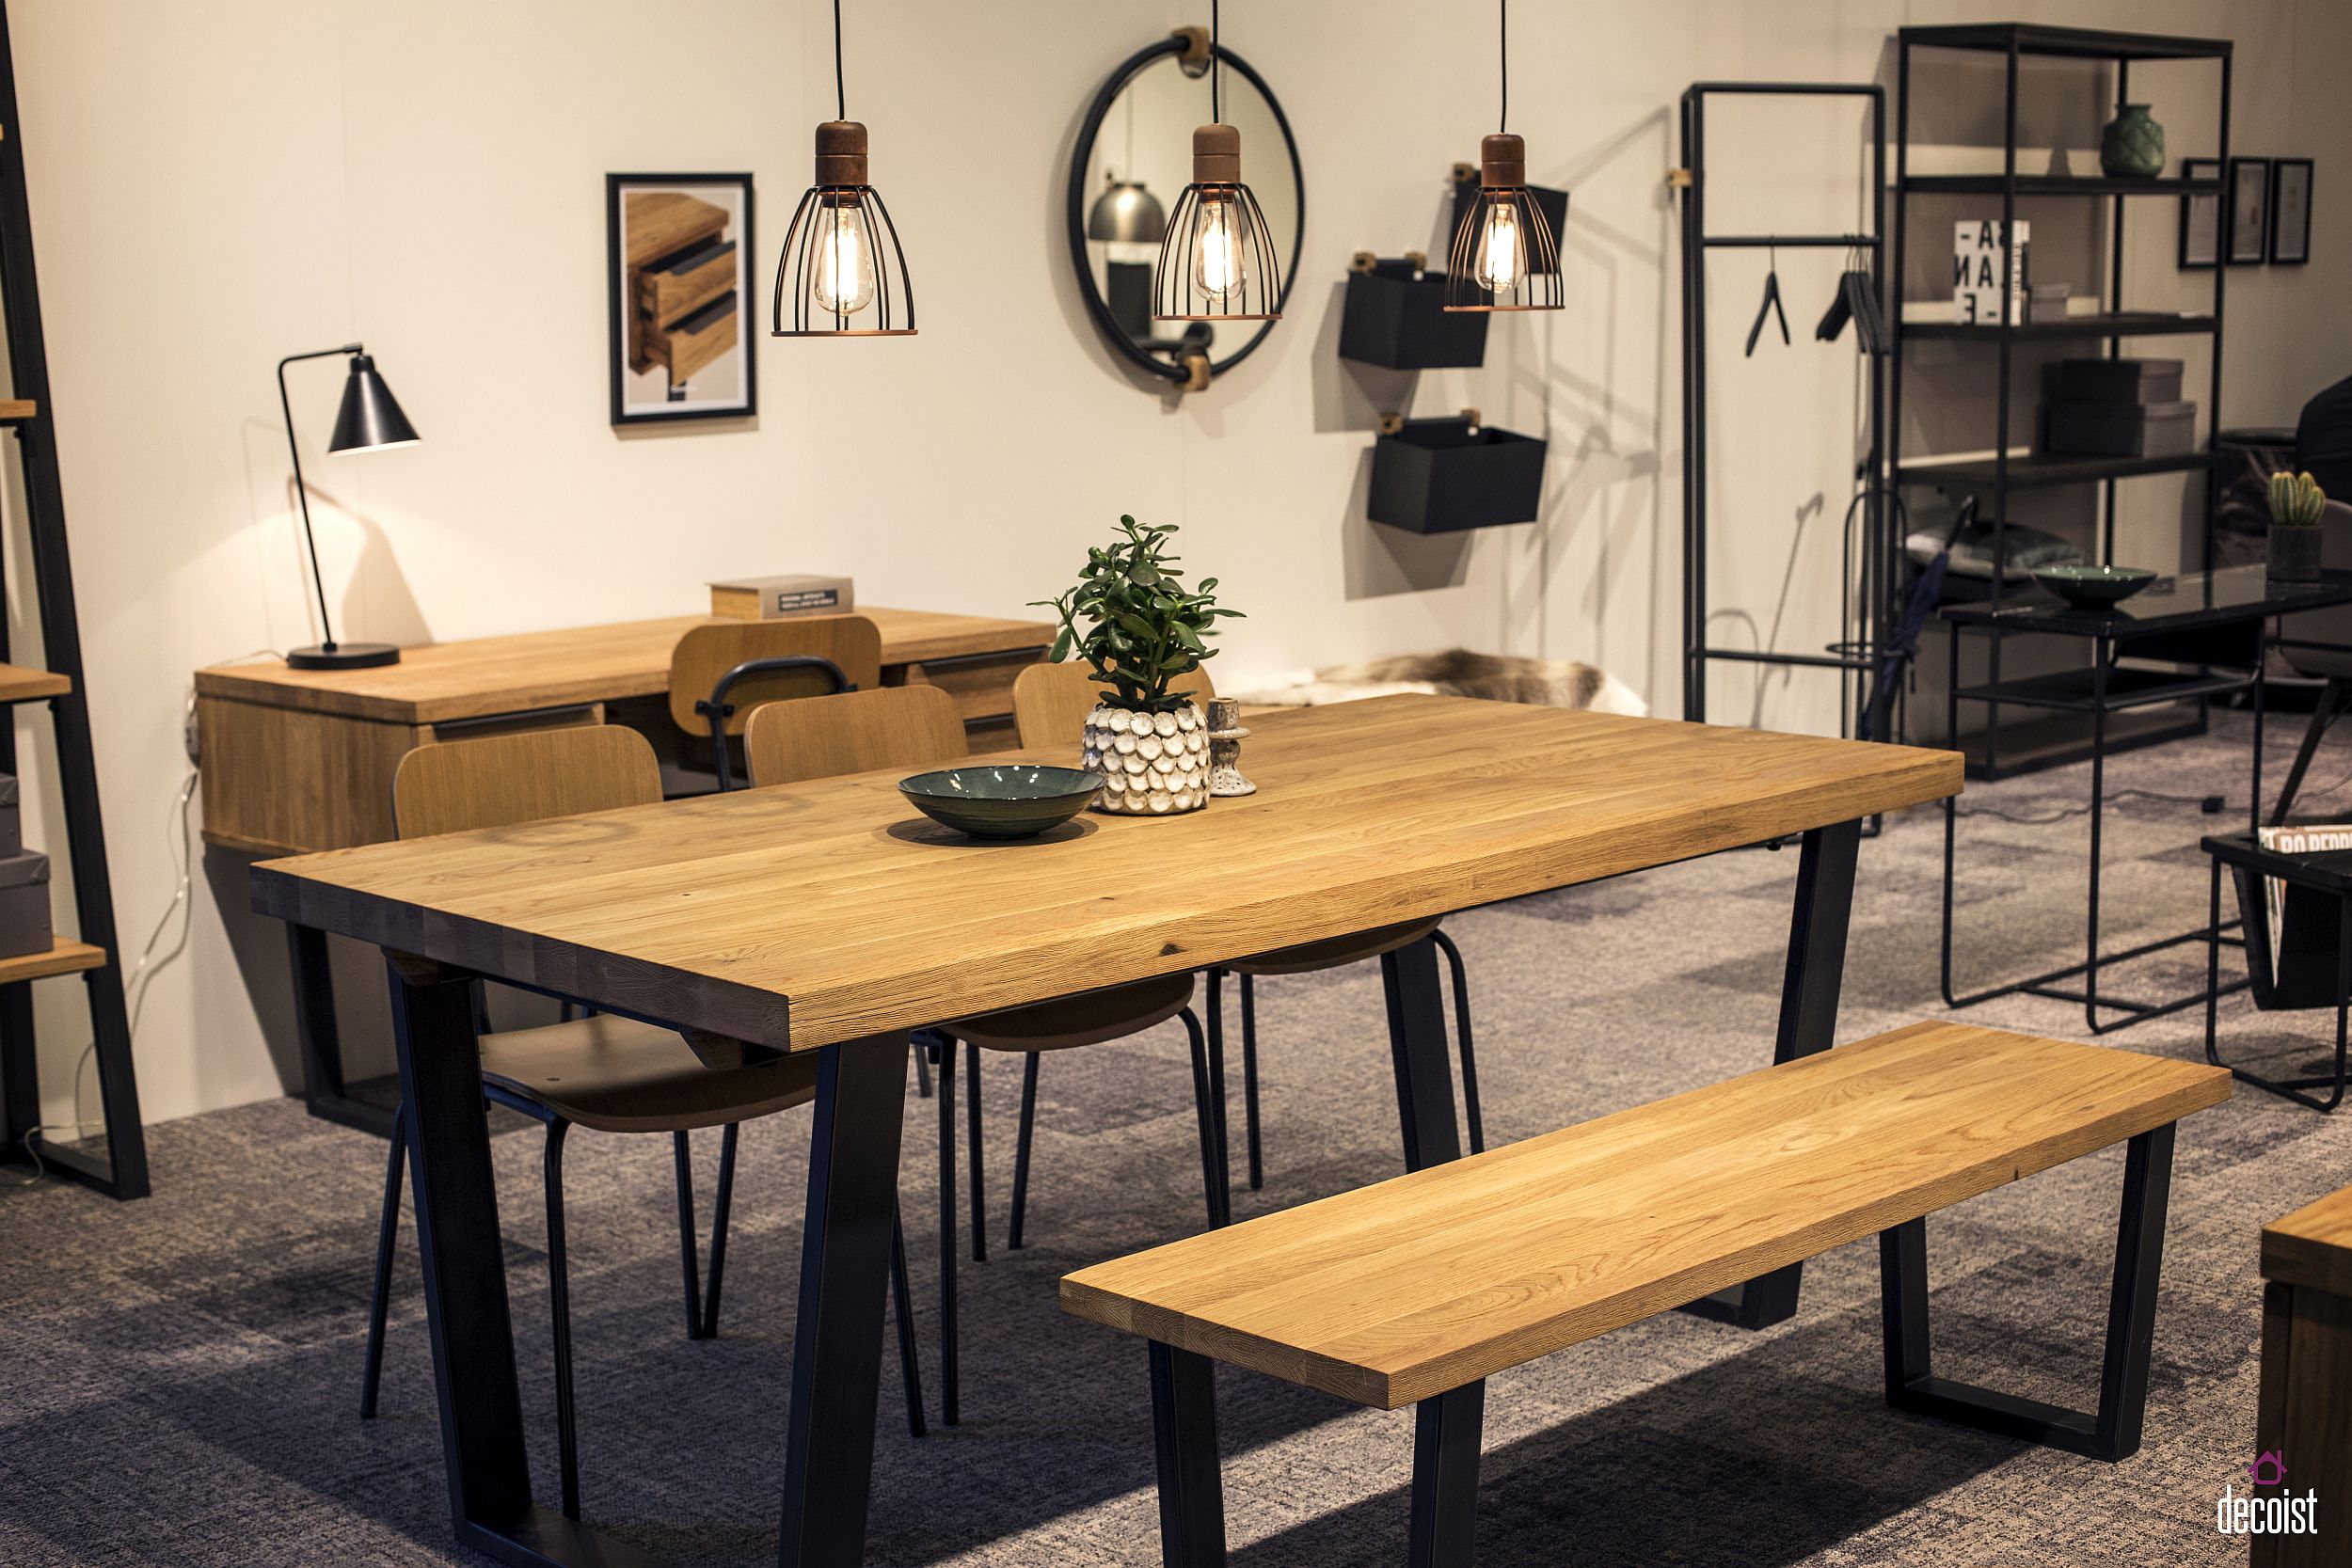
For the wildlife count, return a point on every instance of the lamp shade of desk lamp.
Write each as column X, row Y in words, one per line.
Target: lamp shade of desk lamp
column 369, row 420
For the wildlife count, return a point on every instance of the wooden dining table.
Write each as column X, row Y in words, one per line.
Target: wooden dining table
column 829, row 916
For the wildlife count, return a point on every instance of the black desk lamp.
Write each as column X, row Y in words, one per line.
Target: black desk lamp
column 371, row 420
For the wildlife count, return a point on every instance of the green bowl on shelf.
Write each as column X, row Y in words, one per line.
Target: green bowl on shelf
column 1004, row 800
column 2095, row 587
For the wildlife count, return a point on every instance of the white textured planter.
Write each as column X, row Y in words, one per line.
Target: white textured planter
column 1153, row 764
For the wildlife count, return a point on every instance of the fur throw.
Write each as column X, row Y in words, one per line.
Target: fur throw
column 1459, row 672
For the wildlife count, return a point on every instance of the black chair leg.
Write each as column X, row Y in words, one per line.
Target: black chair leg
column 902, row 1308
column 1462, row 1039
column 721, row 1204
column 1212, row 1146
column 922, row 1072
column 1020, row 1149
column 682, row 1153
column 1249, row 1079
column 386, row 1234
column 949, row 1406
column 971, row 1115
column 2332, row 699
column 559, row 1314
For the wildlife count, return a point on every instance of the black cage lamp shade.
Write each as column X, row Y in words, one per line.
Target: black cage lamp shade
column 370, row 420
column 1504, row 256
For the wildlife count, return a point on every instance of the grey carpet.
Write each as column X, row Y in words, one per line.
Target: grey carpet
column 178, row 1377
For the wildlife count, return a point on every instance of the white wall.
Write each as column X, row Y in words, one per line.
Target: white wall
column 216, row 184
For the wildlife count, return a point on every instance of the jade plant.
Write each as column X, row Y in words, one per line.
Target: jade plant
column 2296, row 500
column 1132, row 620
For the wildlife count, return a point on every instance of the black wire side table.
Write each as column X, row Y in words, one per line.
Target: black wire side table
column 2215, row 625
column 2298, row 979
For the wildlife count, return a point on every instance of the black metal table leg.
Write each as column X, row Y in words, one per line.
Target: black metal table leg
column 1809, row 993
column 1184, row 1435
column 2113, row 1431
column 1418, row 1045
column 845, row 1273
column 1445, row 1477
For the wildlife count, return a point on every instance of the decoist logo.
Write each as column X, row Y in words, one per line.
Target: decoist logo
column 2283, row 1514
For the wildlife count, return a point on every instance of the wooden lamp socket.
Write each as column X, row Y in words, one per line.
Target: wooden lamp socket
column 841, row 153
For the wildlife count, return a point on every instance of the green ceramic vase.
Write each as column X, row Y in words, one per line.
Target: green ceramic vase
column 2132, row 145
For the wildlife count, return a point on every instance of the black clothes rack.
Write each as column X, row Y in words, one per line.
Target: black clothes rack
column 118, row 1164
column 1868, row 617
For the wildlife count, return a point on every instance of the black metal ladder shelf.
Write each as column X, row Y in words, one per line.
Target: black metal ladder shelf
column 1866, row 617
column 118, row 1164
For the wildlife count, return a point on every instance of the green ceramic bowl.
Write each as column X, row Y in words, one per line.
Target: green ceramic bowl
column 1018, row 799
column 2095, row 587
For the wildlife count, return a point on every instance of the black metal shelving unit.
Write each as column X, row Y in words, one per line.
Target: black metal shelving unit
column 116, row 1165
column 1867, row 614
column 1997, row 477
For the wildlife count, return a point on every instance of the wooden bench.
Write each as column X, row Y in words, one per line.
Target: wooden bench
column 1413, row 1292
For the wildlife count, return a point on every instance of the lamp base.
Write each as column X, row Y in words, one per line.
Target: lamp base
column 345, row 656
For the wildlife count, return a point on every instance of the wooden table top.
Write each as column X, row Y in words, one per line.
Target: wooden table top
column 444, row 681
column 1393, row 1293
column 807, row 914
column 2313, row 1247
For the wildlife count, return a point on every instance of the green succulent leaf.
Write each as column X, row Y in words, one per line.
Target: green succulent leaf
column 1134, row 622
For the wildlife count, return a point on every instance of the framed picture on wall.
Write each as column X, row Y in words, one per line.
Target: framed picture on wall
column 678, row 250
column 2200, row 218
column 2249, row 210
column 2290, row 211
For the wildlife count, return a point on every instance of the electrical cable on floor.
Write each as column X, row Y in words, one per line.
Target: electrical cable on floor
column 2210, row 805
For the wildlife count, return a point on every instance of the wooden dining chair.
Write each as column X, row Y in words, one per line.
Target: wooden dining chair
column 609, row 1073
column 720, row 674
column 916, row 727
column 1050, row 703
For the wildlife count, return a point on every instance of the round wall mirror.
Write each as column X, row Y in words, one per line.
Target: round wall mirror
column 1133, row 159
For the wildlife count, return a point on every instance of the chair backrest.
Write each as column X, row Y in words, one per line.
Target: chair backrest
column 501, row 779
column 704, row 657
column 2332, row 625
column 889, row 726
column 1050, row 702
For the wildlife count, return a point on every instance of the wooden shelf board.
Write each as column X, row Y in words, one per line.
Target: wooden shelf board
column 21, row 685
column 2034, row 470
column 66, row 958
column 17, row 411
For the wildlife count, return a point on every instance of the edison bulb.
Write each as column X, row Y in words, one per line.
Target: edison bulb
column 845, row 259
column 1501, row 249
column 1220, row 266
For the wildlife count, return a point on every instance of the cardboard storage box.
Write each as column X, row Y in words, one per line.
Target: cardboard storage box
column 2116, row 381
column 2123, row 429
column 24, row 904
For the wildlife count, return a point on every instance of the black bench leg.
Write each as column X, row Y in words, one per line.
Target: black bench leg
column 1183, row 1430
column 1445, row 1477
column 2114, row 1432
column 1808, row 1023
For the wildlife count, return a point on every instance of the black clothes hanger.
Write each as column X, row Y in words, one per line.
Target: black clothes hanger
column 1770, row 307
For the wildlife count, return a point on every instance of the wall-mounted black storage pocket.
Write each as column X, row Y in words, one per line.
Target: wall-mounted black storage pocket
column 1441, row 476
column 1397, row 318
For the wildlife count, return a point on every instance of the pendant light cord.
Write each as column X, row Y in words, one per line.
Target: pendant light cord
column 840, row 95
column 1216, row 107
column 1502, row 40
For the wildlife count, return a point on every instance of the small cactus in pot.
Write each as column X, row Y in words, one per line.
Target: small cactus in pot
column 2296, row 504
column 1143, row 631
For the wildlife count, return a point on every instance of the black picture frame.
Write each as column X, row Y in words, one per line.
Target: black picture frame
column 2236, row 223
column 2281, row 201
column 736, row 239
column 2197, row 207
column 1167, row 365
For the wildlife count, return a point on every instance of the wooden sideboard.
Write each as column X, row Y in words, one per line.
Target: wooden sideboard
column 296, row 760
column 2307, row 1378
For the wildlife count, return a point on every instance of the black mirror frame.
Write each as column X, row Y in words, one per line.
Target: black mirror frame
column 1081, row 154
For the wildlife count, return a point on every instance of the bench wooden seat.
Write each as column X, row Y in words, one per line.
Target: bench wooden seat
column 1416, row 1290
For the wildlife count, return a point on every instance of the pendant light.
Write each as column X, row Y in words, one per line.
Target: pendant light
column 841, row 263
column 1216, row 261
column 1504, row 256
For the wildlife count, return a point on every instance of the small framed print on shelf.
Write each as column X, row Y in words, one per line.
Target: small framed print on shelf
column 2247, row 210
column 2290, row 211
column 2200, row 218
column 678, row 250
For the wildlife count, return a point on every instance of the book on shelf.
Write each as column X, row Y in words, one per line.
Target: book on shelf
column 2309, row 838
column 781, row 597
